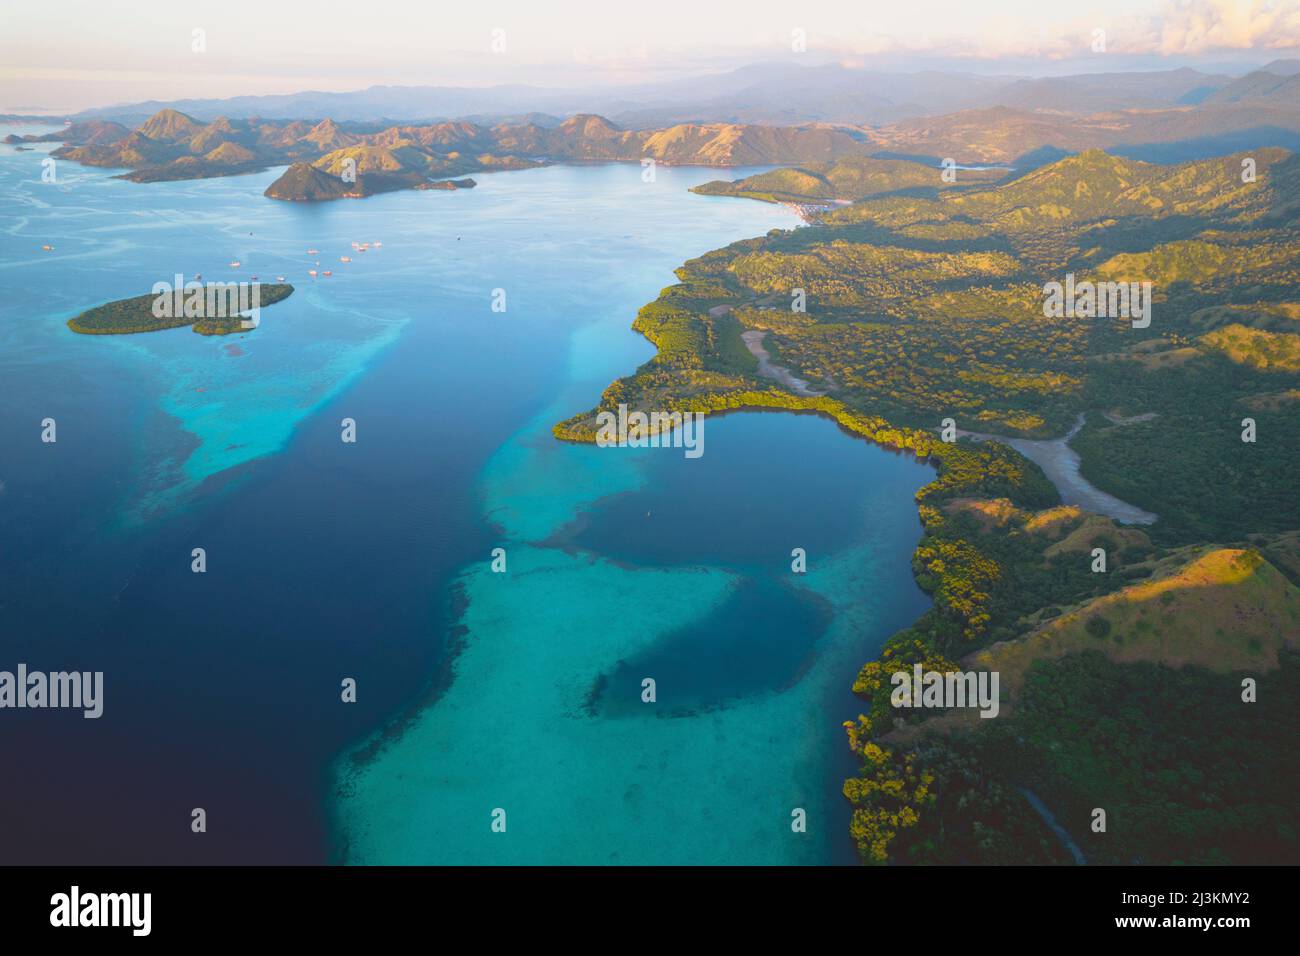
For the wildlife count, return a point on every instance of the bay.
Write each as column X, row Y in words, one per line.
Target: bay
column 371, row 561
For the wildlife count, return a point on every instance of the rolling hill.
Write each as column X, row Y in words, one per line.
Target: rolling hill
column 847, row 179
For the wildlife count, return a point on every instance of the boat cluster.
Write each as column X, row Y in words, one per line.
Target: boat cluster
column 356, row 246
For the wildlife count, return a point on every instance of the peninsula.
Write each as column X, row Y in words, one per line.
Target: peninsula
column 910, row 305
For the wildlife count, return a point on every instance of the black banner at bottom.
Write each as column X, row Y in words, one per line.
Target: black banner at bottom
column 335, row 904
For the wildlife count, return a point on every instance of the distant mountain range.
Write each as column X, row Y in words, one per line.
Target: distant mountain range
column 1165, row 117
column 1264, row 86
column 766, row 94
column 1002, row 134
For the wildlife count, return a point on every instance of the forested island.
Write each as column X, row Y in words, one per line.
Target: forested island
column 212, row 309
column 328, row 160
column 1122, row 684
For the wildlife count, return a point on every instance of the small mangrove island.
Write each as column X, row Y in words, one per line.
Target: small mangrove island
column 217, row 308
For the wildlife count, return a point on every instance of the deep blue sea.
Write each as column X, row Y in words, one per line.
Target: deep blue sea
column 476, row 691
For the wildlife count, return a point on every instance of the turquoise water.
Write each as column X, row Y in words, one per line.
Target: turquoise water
column 746, row 725
column 519, row 690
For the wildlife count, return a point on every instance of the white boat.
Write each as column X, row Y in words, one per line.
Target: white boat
column 234, row 263
column 344, row 259
column 311, row 272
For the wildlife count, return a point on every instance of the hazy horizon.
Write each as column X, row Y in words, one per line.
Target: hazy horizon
column 93, row 57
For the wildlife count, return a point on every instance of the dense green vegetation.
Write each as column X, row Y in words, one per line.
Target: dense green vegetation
column 925, row 306
column 1189, row 464
column 916, row 326
column 136, row 314
column 1185, row 771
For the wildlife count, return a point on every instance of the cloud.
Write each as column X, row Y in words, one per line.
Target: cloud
column 1178, row 28
column 1207, row 26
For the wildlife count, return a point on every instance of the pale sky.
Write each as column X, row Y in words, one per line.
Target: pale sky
column 74, row 54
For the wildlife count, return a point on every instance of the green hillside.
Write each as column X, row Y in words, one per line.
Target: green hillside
column 921, row 307
column 847, row 179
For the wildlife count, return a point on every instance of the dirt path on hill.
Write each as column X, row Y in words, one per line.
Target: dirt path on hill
column 1060, row 463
